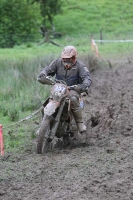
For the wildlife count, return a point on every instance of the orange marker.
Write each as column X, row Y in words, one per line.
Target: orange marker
column 1, row 141
column 94, row 47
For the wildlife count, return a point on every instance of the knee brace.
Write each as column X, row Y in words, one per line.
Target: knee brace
column 74, row 101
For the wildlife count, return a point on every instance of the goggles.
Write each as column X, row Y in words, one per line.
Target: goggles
column 67, row 62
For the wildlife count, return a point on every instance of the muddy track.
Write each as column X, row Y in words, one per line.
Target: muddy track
column 100, row 169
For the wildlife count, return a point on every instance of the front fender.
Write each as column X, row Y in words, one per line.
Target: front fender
column 51, row 107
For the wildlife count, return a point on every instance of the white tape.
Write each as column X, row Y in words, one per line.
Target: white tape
column 26, row 118
column 113, row 40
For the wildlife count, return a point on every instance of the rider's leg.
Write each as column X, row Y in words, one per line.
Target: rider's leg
column 77, row 111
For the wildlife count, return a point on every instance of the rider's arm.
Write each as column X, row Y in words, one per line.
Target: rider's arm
column 84, row 74
column 49, row 70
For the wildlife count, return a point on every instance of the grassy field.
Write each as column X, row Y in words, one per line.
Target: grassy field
column 85, row 17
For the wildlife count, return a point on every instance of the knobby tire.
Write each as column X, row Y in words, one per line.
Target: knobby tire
column 42, row 142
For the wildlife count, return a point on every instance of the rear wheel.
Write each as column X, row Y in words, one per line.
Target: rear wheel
column 42, row 141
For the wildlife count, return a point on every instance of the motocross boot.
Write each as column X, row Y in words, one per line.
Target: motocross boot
column 77, row 112
column 78, row 118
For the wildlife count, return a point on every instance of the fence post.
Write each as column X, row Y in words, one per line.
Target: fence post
column 1, row 141
column 101, row 36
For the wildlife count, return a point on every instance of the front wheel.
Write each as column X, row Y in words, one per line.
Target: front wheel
column 42, row 141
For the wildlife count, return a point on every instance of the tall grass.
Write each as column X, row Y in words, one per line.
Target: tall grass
column 20, row 90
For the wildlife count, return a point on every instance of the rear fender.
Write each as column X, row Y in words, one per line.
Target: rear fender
column 51, row 107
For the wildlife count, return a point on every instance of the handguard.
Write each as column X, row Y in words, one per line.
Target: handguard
column 45, row 79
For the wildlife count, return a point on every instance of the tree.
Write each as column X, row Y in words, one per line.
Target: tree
column 49, row 8
column 19, row 21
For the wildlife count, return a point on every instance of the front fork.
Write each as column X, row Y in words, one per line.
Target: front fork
column 56, row 122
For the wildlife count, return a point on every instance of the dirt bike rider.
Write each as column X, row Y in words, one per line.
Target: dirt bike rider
column 71, row 70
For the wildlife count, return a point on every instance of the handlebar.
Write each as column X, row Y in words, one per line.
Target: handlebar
column 71, row 87
column 60, row 81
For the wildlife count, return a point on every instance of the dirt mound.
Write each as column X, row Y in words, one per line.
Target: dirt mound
column 100, row 169
column 109, row 105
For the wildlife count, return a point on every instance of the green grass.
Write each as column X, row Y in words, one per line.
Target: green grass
column 81, row 42
column 20, row 52
column 86, row 17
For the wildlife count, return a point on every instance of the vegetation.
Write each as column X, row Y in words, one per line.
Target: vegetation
column 22, row 21
column 20, row 93
column 19, row 22
column 49, row 8
column 85, row 17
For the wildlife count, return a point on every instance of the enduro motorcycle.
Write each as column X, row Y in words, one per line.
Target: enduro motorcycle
column 58, row 120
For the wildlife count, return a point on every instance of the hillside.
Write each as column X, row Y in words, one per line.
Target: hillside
column 86, row 17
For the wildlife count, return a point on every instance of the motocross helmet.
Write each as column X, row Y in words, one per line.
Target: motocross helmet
column 69, row 52
column 68, row 56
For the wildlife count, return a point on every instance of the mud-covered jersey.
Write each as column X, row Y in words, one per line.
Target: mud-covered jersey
column 77, row 74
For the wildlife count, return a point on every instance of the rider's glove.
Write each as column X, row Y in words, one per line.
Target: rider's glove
column 78, row 88
column 41, row 78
